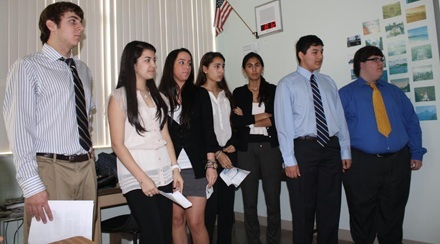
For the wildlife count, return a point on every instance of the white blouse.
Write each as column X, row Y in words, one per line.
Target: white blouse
column 148, row 149
column 258, row 110
column 221, row 110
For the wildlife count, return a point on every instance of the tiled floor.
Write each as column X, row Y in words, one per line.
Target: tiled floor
column 239, row 235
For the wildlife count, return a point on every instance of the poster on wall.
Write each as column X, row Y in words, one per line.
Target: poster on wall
column 405, row 32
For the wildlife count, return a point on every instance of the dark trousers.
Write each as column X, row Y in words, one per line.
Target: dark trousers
column 317, row 192
column 220, row 207
column 153, row 215
column 265, row 163
column 377, row 190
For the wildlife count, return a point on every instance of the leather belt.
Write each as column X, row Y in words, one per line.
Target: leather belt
column 71, row 158
column 377, row 155
column 306, row 138
column 384, row 155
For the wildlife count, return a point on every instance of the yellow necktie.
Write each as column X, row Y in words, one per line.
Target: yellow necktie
column 383, row 123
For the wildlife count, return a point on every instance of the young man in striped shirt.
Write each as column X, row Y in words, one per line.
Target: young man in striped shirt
column 40, row 113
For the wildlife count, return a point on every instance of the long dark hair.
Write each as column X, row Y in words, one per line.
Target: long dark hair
column 170, row 89
column 127, row 79
column 206, row 60
column 263, row 90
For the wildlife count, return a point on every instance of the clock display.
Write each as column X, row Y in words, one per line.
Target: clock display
column 268, row 26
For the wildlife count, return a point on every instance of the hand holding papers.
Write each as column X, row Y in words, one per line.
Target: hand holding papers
column 209, row 191
column 233, row 176
column 178, row 198
column 70, row 218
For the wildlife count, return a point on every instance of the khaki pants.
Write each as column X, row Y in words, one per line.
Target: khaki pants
column 65, row 181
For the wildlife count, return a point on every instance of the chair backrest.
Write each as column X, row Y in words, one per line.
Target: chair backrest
column 122, row 223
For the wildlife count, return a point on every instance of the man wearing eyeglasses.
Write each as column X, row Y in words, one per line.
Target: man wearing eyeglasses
column 386, row 141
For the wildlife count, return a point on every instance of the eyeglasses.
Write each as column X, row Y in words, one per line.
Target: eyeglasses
column 377, row 60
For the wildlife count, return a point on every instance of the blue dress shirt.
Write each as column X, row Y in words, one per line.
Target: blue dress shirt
column 295, row 113
column 357, row 101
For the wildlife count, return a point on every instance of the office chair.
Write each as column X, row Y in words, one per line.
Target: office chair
column 122, row 224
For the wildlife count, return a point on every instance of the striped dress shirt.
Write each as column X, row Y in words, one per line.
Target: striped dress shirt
column 39, row 112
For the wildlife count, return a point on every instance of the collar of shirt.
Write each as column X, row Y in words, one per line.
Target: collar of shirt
column 52, row 54
column 305, row 73
column 219, row 97
column 361, row 82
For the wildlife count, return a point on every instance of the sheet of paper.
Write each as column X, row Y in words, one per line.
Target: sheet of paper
column 70, row 218
column 233, row 176
column 209, row 191
column 178, row 198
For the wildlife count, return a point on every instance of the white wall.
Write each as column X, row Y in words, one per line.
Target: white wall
column 334, row 21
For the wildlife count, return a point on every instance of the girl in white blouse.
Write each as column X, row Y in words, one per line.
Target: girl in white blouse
column 220, row 205
column 146, row 160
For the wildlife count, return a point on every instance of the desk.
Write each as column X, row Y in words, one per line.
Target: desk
column 74, row 240
column 111, row 197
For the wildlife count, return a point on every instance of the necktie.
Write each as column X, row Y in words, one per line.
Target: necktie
column 382, row 121
column 80, row 101
column 321, row 123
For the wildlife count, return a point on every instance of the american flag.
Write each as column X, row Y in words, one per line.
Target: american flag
column 222, row 11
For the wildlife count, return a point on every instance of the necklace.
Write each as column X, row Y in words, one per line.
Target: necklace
column 253, row 89
column 144, row 93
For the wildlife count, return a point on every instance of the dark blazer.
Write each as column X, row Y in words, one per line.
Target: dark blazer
column 243, row 99
column 200, row 138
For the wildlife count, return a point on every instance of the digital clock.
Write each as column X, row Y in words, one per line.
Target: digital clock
column 268, row 18
column 268, row 26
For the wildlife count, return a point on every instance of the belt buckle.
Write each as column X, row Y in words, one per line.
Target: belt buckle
column 71, row 158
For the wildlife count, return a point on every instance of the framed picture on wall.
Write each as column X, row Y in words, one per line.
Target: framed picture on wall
column 268, row 18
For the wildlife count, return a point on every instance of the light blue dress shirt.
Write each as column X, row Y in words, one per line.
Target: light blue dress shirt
column 295, row 113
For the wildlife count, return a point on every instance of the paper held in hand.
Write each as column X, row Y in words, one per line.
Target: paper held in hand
column 70, row 218
column 209, row 191
column 233, row 176
column 178, row 198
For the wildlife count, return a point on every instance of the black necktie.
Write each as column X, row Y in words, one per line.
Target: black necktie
column 81, row 112
column 321, row 123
